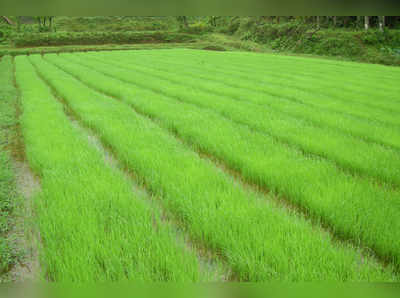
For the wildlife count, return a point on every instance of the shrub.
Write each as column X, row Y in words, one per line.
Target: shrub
column 198, row 28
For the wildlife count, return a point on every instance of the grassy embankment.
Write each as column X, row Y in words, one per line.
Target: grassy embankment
column 9, row 253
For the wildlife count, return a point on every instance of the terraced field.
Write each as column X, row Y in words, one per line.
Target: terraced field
column 185, row 165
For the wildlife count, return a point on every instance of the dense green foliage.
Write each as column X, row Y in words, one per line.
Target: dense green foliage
column 115, row 23
column 8, row 254
column 259, row 240
column 371, row 46
column 340, row 37
column 92, row 38
column 331, row 163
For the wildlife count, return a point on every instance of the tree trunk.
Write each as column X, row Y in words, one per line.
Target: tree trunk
column 334, row 21
column 18, row 24
column 318, row 22
column 381, row 23
column 366, row 22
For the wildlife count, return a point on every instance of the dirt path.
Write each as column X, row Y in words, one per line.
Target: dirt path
column 27, row 239
column 27, row 185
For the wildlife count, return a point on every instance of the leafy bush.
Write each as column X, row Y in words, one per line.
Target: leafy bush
column 371, row 46
column 93, row 38
column 115, row 23
column 376, row 37
column 198, row 28
column 5, row 32
column 290, row 30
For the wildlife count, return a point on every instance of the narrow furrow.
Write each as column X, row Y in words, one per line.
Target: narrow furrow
column 359, row 158
column 259, row 240
column 92, row 226
column 273, row 166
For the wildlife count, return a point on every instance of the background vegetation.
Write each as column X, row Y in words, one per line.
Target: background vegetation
column 373, row 39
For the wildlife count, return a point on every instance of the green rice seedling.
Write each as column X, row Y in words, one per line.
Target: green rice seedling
column 92, row 226
column 259, row 240
column 349, row 153
column 369, row 130
column 355, row 208
column 349, row 78
column 254, row 89
column 327, row 92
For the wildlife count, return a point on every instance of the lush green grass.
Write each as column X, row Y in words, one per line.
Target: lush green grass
column 93, row 226
column 8, row 252
column 355, row 207
column 259, row 240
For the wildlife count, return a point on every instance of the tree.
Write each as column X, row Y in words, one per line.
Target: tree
column 213, row 20
column 366, row 22
column 183, row 22
column 42, row 23
column 381, row 23
column 18, row 21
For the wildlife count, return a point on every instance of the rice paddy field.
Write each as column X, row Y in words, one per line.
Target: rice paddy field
column 197, row 166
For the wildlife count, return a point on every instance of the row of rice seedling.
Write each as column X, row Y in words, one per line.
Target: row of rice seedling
column 249, row 85
column 344, row 76
column 259, row 240
column 299, row 87
column 92, row 226
column 350, row 153
column 8, row 252
column 373, row 131
column 291, row 88
column 353, row 207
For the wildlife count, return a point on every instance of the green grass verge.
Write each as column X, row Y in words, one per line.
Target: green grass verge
column 354, row 207
column 8, row 252
column 93, row 226
column 259, row 240
column 12, row 51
